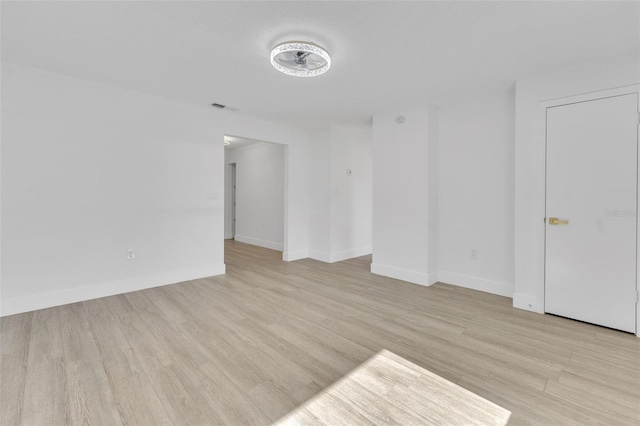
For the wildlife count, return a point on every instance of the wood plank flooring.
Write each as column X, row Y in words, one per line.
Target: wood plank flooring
column 252, row 345
column 388, row 389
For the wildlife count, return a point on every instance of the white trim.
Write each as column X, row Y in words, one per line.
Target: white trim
column 286, row 237
column 401, row 274
column 541, row 192
column 349, row 254
column 257, row 242
column 638, row 223
column 475, row 283
column 37, row 301
column 322, row 256
column 339, row 256
column 528, row 303
column 290, row 256
column 433, row 278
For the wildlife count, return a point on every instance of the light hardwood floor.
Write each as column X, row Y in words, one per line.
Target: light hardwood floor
column 251, row 346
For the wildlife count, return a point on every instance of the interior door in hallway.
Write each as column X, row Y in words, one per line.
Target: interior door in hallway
column 591, row 209
column 233, row 200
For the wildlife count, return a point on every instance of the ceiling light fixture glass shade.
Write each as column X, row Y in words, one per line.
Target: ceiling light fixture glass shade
column 300, row 59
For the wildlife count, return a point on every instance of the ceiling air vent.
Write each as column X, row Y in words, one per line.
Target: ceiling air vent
column 219, row 106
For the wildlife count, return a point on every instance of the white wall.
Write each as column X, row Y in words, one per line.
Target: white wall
column 401, row 200
column 351, row 195
column 529, row 160
column 476, row 143
column 320, row 198
column 89, row 171
column 259, row 194
column 490, row 185
column 341, row 206
column 433, row 166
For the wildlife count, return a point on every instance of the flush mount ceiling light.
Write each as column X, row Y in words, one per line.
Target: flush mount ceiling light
column 300, row 59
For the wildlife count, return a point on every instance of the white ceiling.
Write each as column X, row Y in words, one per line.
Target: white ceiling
column 384, row 54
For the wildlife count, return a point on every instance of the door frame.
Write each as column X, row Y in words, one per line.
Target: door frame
column 234, row 171
column 542, row 177
column 288, row 218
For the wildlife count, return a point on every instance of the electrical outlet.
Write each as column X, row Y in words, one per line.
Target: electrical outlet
column 473, row 254
column 131, row 254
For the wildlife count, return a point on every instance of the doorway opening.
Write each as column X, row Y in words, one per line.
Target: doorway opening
column 255, row 193
column 232, row 188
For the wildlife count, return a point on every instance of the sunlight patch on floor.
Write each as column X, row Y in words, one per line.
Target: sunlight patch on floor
column 388, row 389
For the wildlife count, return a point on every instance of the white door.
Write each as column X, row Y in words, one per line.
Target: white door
column 591, row 208
column 233, row 200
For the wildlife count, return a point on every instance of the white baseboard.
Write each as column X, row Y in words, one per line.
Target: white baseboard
column 527, row 302
column 320, row 255
column 340, row 255
column 475, row 283
column 290, row 256
column 34, row 302
column 433, row 278
column 401, row 274
column 349, row 254
column 261, row 243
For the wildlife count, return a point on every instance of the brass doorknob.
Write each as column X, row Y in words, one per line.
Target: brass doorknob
column 556, row 221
